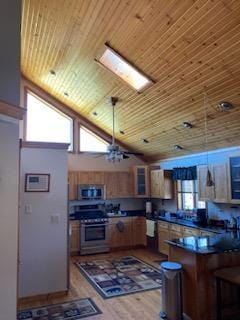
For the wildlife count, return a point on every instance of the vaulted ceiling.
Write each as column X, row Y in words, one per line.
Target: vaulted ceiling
column 187, row 47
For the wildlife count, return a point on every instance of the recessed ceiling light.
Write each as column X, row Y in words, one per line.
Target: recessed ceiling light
column 66, row 94
column 145, row 140
column 187, row 125
column 122, row 68
column 52, row 72
column 225, row 105
column 177, row 147
column 121, row 131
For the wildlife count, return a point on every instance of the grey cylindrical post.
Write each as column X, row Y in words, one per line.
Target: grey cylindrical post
column 171, row 291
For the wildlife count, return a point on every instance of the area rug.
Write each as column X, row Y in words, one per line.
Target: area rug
column 71, row 310
column 121, row 276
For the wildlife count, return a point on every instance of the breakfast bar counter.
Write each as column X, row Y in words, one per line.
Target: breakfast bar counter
column 201, row 257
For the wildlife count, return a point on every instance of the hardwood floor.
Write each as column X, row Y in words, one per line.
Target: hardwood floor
column 137, row 306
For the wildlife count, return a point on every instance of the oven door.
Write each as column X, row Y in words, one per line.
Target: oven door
column 93, row 235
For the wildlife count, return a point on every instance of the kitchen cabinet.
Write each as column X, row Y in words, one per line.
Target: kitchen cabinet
column 72, row 185
column 90, row 177
column 163, row 234
column 118, row 184
column 74, row 236
column 219, row 191
column 161, row 184
column 141, row 181
column 120, row 230
column 234, row 179
column 139, row 231
column 190, row 232
column 175, row 231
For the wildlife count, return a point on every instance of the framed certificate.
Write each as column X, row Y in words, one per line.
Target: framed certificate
column 37, row 182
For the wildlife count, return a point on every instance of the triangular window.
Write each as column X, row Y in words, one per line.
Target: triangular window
column 90, row 142
column 45, row 123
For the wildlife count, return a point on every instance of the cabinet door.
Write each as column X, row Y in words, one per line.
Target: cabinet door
column 125, row 184
column 75, row 237
column 120, row 238
column 139, row 231
column 163, row 234
column 234, row 179
column 72, row 185
column 204, row 193
column 190, row 232
column 112, row 184
column 95, row 177
column 220, row 183
column 155, row 184
column 141, row 181
column 82, row 177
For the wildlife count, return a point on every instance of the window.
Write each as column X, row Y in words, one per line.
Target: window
column 122, row 68
column 47, row 124
column 89, row 142
column 188, row 195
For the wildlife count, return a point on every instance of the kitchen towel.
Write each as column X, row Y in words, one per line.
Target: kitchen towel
column 150, row 227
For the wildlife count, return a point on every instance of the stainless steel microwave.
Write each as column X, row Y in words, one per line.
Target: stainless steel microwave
column 91, row 192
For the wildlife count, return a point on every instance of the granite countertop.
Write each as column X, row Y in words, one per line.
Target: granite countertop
column 125, row 213
column 226, row 242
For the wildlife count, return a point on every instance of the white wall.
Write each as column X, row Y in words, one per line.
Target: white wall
column 78, row 162
column 9, row 171
column 43, row 244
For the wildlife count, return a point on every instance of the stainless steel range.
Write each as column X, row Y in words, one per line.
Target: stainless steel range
column 94, row 230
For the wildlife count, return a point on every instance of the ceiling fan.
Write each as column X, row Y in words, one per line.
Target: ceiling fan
column 114, row 153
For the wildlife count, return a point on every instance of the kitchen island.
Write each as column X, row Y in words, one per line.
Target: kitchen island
column 200, row 257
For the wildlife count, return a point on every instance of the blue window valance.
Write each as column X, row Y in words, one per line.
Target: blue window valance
column 185, row 173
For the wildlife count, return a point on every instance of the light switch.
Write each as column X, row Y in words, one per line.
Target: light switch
column 55, row 218
column 28, row 208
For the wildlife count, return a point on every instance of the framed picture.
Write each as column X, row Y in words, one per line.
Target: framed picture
column 37, row 182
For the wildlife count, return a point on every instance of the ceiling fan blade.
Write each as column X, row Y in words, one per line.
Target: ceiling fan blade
column 134, row 153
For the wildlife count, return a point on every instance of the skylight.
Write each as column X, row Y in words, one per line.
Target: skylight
column 89, row 142
column 122, row 68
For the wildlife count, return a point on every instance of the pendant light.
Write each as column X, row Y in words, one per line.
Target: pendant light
column 209, row 179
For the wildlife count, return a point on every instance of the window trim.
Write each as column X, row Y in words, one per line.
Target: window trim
column 195, row 193
column 97, row 135
column 52, row 105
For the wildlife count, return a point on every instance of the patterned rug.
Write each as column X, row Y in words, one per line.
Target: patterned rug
column 121, row 276
column 71, row 310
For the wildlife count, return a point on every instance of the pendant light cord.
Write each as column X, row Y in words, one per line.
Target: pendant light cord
column 113, row 134
column 206, row 101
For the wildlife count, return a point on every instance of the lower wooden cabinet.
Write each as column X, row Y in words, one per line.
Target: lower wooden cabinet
column 163, row 234
column 127, row 232
column 75, row 237
column 139, row 231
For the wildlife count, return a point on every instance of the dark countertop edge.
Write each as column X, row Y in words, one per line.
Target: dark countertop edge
column 126, row 214
column 214, row 251
column 192, row 225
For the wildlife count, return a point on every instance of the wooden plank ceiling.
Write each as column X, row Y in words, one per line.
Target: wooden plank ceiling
column 188, row 47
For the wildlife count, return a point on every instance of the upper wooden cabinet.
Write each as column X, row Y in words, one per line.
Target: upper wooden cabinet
column 219, row 191
column 234, row 179
column 118, row 184
column 161, row 184
column 141, row 181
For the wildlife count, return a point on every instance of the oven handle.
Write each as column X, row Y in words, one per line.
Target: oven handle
column 93, row 225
